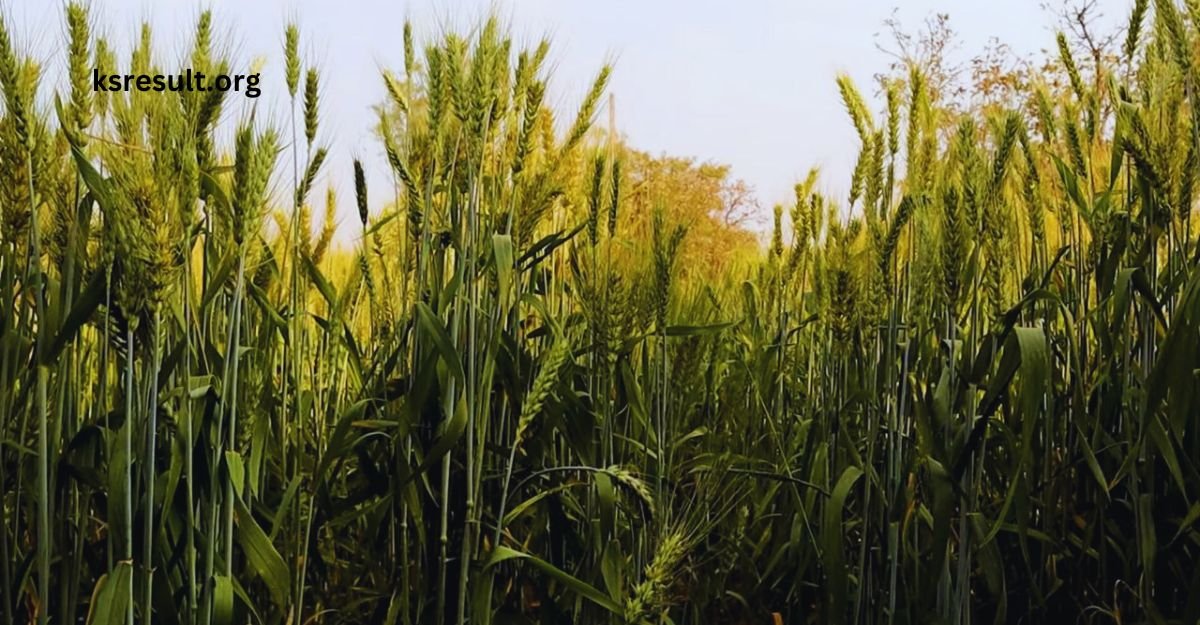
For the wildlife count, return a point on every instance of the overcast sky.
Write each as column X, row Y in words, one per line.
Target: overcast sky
column 747, row 82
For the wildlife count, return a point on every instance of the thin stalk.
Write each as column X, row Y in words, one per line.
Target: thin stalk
column 235, row 327
column 43, row 375
column 127, row 440
column 151, row 432
column 189, row 442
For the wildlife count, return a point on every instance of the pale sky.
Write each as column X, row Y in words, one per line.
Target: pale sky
column 749, row 83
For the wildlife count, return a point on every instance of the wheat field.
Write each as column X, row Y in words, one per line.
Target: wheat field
column 535, row 389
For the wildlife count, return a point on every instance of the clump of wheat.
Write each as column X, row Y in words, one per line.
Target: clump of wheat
column 630, row 480
column 312, row 103
column 543, row 386
column 254, row 160
column 291, row 57
column 651, row 596
column 78, row 64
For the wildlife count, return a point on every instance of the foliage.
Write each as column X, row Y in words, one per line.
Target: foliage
column 550, row 384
